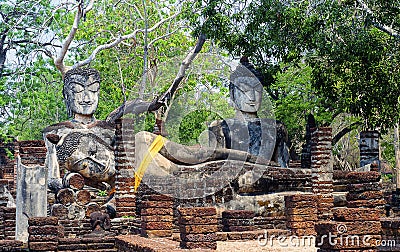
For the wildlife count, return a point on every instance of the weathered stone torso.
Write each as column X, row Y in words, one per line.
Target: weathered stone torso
column 255, row 136
column 87, row 149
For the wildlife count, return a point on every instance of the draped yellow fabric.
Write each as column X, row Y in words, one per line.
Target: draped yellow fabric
column 154, row 148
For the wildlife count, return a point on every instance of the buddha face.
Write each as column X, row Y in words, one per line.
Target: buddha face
column 246, row 93
column 82, row 93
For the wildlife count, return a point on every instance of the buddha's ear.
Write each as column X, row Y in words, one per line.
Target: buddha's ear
column 53, row 138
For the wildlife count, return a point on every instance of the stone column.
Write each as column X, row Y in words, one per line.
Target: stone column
column 125, row 198
column 369, row 147
column 322, row 170
column 31, row 197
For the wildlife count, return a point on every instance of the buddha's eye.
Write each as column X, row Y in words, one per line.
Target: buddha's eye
column 94, row 87
column 77, row 88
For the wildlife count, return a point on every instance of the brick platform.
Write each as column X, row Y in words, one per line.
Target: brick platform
column 237, row 220
column 356, row 227
column 44, row 233
column 156, row 215
column 301, row 213
column 198, row 227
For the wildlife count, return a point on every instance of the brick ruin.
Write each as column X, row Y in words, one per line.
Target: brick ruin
column 316, row 201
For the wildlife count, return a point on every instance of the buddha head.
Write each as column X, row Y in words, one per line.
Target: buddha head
column 245, row 90
column 81, row 91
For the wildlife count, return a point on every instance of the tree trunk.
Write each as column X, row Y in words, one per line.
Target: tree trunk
column 397, row 154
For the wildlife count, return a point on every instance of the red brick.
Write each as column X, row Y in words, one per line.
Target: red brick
column 42, row 238
column 302, row 211
column 43, row 230
column 300, row 204
column 364, row 195
column 304, row 232
column 300, row 225
column 125, row 204
column 238, row 214
column 197, row 211
column 238, row 228
column 350, row 228
column 198, row 245
column 159, row 218
column 156, row 233
column 301, row 197
column 157, row 204
column 43, row 246
column 366, row 203
column 192, row 220
column 198, row 229
column 294, row 218
column 42, row 221
column 364, row 187
column 157, row 225
column 156, row 211
column 157, row 197
column 238, row 222
column 357, row 214
column 364, row 176
column 199, row 237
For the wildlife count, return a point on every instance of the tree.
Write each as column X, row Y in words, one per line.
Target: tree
column 351, row 49
column 25, row 79
column 119, row 38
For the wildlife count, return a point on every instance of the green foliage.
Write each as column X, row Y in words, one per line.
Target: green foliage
column 344, row 63
column 387, row 178
column 31, row 99
column 297, row 100
column 36, row 102
column 102, row 193
column 387, row 149
column 354, row 67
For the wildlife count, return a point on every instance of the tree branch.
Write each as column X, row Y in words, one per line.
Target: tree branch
column 164, row 36
column 138, row 106
column 388, row 30
column 344, row 131
column 119, row 40
column 59, row 61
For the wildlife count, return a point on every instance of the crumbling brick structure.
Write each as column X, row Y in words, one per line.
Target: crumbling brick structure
column 198, row 227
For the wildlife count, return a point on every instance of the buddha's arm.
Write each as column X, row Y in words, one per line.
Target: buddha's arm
column 187, row 155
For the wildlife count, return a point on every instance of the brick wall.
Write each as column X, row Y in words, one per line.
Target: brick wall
column 125, row 198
